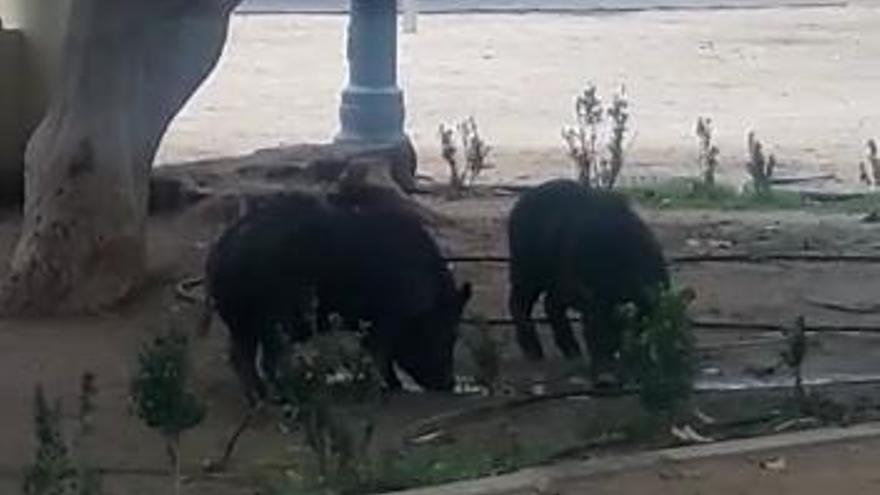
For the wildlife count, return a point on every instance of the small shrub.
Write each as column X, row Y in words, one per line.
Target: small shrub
column 476, row 152
column 659, row 353
column 759, row 167
column 59, row 469
column 52, row 472
column 90, row 479
column 609, row 169
column 708, row 157
column 160, row 396
column 595, row 168
column 485, row 351
column 869, row 170
column 582, row 140
column 449, row 151
column 317, row 381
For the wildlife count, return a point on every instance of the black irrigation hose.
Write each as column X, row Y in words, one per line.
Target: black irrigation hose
column 775, row 327
column 718, row 258
column 185, row 287
column 756, row 326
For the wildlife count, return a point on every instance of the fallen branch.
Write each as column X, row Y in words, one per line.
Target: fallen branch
column 830, row 197
column 741, row 344
column 222, row 463
column 463, row 415
column 843, row 307
column 800, row 180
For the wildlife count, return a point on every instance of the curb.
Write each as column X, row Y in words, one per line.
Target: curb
column 531, row 479
column 596, row 8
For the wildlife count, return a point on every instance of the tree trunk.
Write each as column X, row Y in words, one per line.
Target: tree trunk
column 128, row 68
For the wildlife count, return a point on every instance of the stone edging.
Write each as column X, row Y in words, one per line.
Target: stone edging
column 527, row 480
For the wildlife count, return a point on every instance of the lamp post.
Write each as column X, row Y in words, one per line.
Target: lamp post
column 372, row 111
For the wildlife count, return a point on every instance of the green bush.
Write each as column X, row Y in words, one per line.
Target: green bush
column 159, row 387
column 52, row 472
column 485, row 352
column 160, row 396
column 59, row 468
column 320, row 380
column 659, row 353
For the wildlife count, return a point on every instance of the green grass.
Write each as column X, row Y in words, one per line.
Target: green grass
column 684, row 194
column 423, row 466
column 448, row 463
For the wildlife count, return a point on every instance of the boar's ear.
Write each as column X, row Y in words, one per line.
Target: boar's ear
column 464, row 294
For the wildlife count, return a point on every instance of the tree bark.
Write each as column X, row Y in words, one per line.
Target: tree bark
column 129, row 66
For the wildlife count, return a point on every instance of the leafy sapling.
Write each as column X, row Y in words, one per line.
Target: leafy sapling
column 53, row 471
column 659, row 354
column 160, row 395
column 59, row 468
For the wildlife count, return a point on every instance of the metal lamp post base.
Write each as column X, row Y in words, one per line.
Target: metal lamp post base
column 371, row 116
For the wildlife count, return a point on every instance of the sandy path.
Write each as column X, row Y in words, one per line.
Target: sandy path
column 849, row 467
column 803, row 78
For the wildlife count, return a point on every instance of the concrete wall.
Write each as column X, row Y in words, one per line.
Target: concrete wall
column 30, row 55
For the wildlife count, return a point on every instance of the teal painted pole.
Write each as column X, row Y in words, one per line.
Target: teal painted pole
column 372, row 110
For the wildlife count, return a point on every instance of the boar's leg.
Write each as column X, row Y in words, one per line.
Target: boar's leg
column 520, row 304
column 603, row 339
column 380, row 346
column 244, row 343
column 562, row 333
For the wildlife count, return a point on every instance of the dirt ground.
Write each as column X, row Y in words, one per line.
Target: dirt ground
column 55, row 352
column 802, row 78
column 849, row 467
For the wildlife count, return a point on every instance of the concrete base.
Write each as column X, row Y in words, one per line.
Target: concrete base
column 371, row 116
